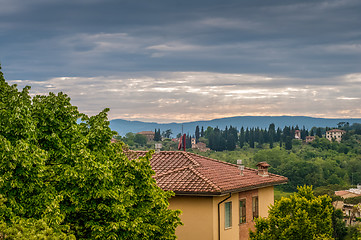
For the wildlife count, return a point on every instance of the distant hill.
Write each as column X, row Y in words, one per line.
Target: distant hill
column 124, row 126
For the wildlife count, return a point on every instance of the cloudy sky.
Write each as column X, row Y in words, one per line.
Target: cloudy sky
column 179, row 61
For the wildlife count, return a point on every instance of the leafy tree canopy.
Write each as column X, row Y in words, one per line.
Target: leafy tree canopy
column 301, row 216
column 66, row 179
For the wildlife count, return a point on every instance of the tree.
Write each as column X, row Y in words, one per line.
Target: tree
column 242, row 138
column 272, row 134
column 301, row 216
column 140, row 139
column 319, row 132
column 68, row 176
column 197, row 134
column 288, row 143
column 167, row 133
column 157, row 136
column 339, row 226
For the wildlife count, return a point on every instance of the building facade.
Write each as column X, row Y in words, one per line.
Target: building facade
column 335, row 134
column 148, row 134
column 218, row 200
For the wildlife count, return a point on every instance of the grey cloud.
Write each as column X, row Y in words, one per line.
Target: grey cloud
column 159, row 59
column 173, row 96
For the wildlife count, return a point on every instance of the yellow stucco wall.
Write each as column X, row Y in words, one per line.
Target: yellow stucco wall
column 197, row 217
column 200, row 215
column 231, row 233
column 265, row 199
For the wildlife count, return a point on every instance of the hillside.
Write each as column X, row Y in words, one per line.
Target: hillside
column 124, row 126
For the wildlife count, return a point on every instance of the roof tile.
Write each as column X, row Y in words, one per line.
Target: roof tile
column 189, row 173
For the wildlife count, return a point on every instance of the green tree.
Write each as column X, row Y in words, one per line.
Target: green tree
column 167, row 133
column 157, row 135
column 242, row 138
column 197, row 134
column 70, row 177
column 272, row 134
column 288, row 143
column 301, row 216
column 319, row 132
column 140, row 139
column 339, row 226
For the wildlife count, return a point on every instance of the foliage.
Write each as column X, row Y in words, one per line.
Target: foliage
column 353, row 200
column 339, row 226
column 220, row 140
column 140, row 139
column 157, row 135
column 354, row 233
column 301, row 216
column 167, row 133
column 279, row 193
column 31, row 229
column 57, row 174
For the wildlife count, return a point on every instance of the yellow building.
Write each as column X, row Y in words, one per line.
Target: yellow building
column 218, row 200
column 148, row 134
column 335, row 134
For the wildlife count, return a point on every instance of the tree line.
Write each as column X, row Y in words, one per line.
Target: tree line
column 227, row 139
column 230, row 137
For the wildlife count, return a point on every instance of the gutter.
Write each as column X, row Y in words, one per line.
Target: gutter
column 242, row 189
column 219, row 217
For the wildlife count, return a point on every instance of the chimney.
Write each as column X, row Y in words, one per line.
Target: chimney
column 158, row 146
column 263, row 169
column 240, row 166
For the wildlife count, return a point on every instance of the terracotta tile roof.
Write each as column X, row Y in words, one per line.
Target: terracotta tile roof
column 146, row 132
column 336, row 130
column 188, row 173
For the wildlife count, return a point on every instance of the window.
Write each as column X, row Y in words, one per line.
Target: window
column 242, row 211
column 255, row 207
column 228, row 215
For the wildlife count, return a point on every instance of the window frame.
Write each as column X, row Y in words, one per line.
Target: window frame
column 228, row 207
column 255, row 207
column 242, row 211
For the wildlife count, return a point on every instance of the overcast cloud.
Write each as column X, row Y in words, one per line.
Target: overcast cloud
column 186, row 60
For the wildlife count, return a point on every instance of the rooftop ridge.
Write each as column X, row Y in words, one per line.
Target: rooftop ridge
column 187, row 155
column 205, row 179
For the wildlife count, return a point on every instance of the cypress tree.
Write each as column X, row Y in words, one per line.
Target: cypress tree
column 197, row 134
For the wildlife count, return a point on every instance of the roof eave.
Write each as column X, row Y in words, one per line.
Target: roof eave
column 221, row 193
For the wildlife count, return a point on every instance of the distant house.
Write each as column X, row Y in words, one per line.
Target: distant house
column 297, row 134
column 349, row 193
column 350, row 211
column 310, row 139
column 218, row 200
column 202, row 147
column 335, row 134
column 148, row 134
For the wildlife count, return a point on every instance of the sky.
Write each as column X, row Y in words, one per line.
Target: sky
column 179, row 61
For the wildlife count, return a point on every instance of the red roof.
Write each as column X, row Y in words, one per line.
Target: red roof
column 188, row 173
column 146, row 132
column 336, row 130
